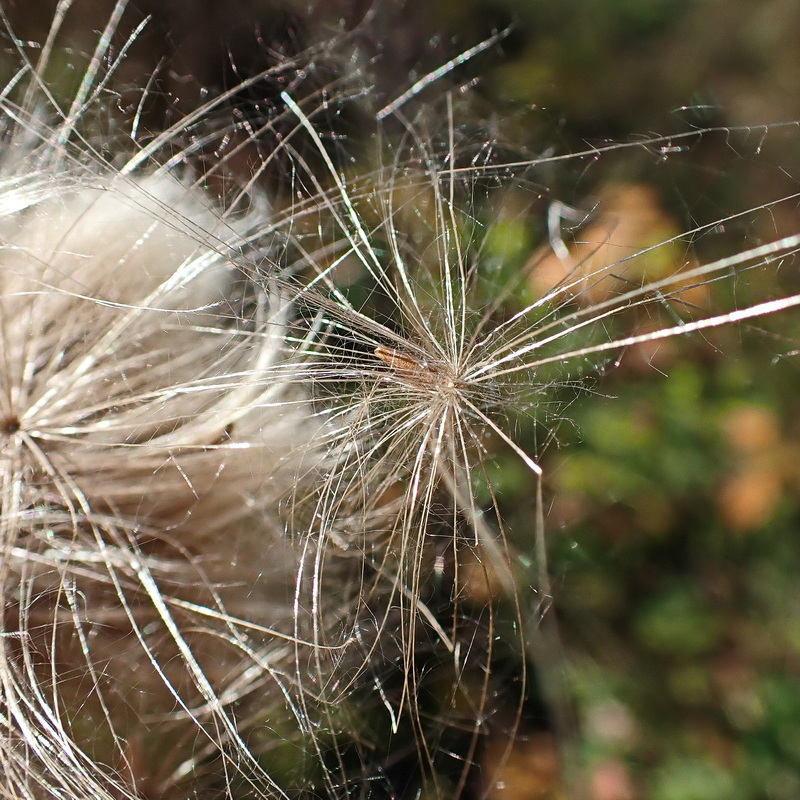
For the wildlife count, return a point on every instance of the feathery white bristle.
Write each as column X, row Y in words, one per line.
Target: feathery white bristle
column 149, row 431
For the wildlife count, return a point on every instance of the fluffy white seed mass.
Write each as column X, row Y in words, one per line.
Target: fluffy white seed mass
column 150, row 430
column 143, row 425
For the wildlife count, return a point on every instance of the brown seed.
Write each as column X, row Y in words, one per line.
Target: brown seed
column 399, row 361
column 10, row 425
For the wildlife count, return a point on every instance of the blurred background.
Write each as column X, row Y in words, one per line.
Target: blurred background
column 672, row 487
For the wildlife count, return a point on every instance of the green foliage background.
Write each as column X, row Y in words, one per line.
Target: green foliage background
column 673, row 525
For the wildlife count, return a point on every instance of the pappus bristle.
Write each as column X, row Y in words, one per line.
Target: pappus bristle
column 442, row 368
